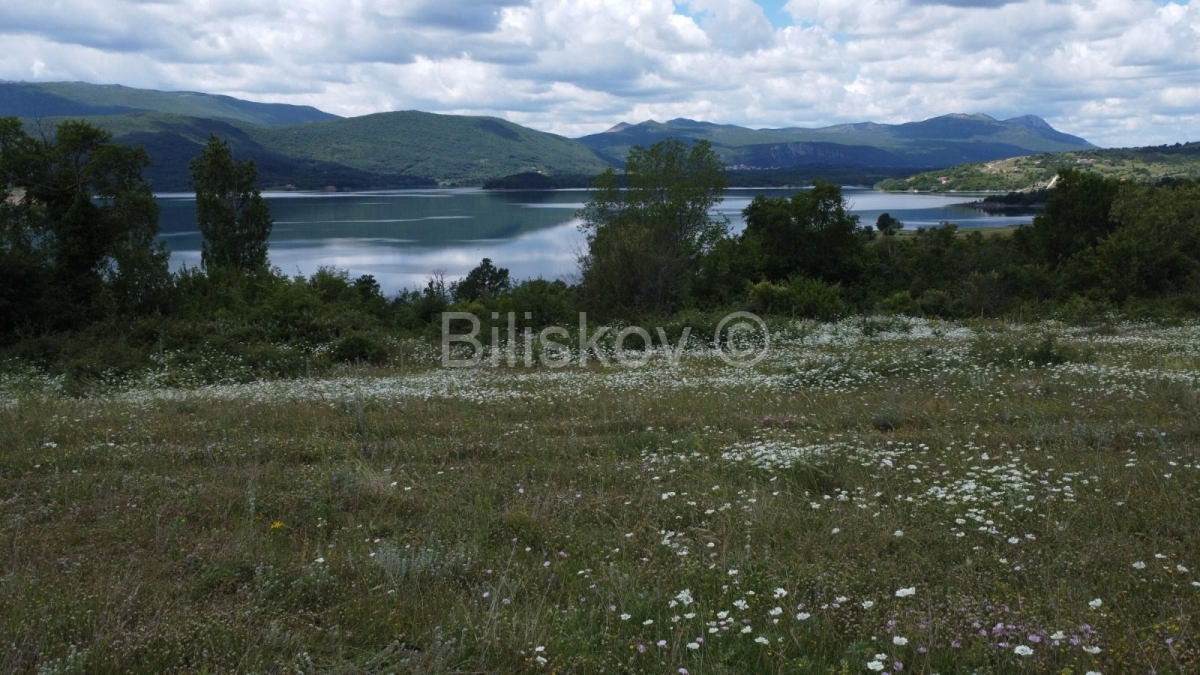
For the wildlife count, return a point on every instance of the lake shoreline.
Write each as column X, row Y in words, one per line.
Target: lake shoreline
column 401, row 237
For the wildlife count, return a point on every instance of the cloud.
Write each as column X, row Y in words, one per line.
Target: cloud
column 734, row 25
column 473, row 16
column 977, row 4
column 1118, row 72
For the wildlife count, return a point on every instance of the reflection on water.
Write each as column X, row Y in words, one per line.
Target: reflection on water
column 402, row 236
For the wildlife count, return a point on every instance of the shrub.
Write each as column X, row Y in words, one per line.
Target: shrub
column 935, row 302
column 551, row 303
column 799, row 297
column 358, row 348
column 703, row 326
column 900, row 302
column 1080, row 310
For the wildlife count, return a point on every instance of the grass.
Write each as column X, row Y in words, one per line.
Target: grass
column 874, row 491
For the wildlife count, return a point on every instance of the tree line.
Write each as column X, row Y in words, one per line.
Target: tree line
column 85, row 288
column 79, row 227
column 1100, row 245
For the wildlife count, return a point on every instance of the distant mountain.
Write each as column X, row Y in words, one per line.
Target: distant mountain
column 938, row 142
column 80, row 99
column 386, row 150
column 306, row 148
column 299, row 146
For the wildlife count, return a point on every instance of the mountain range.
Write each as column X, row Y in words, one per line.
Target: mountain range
column 933, row 143
column 306, row 148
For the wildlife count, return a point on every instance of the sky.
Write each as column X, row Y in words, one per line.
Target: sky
column 1116, row 72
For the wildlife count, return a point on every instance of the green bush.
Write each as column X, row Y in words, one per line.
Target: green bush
column 358, row 348
column 551, row 303
column 935, row 302
column 1081, row 310
column 798, row 297
column 275, row 361
column 900, row 302
column 703, row 326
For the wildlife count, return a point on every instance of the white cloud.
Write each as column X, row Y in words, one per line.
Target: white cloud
column 735, row 25
column 1118, row 72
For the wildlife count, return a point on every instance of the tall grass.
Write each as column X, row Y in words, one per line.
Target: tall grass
column 945, row 497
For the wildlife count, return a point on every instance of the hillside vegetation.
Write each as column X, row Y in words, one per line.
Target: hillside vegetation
column 81, row 99
column 388, row 150
column 301, row 147
column 173, row 140
column 938, row 142
column 1148, row 164
column 451, row 148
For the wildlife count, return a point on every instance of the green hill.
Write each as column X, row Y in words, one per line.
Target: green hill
column 453, row 149
column 302, row 147
column 386, row 150
column 172, row 141
column 306, row 148
column 938, row 142
column 80, row 99
column 1181, row 160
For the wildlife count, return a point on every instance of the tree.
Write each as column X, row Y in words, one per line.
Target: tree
column 234, row 218
column 1155, row 250
column 727, row 270
column 81, row 241
column 888, row 225
column 485, row 281
column 1077, row 215
column 645, row 242
column 812, row 234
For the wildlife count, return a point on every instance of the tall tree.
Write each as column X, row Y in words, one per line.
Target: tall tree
column 485, row 281
column 234, row 218
column 645, row 242
column 1077, row 215
column 1154, row 251
column 83, row 234
column 888, row 224
column 813, row 234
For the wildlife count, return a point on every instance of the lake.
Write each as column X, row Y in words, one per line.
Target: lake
column 402, row 236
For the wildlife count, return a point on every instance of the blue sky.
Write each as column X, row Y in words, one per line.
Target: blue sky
column 776, row 14
column 775, row 11
column 1117, row 72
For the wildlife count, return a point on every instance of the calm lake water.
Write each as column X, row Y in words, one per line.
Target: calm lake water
column 401, row 236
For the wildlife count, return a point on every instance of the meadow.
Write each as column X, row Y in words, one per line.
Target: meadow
column 879, row 494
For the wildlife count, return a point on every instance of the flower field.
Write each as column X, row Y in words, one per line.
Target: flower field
column 876, row 495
